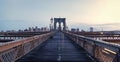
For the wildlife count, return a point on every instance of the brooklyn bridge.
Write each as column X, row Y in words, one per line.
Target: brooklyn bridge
column 59, row 44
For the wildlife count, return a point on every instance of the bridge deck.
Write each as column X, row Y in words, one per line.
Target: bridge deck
column 59, row 48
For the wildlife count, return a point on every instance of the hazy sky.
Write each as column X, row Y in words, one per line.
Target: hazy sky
column 101, row 14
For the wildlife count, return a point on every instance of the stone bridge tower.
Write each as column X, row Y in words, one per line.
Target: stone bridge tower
column 59, row 21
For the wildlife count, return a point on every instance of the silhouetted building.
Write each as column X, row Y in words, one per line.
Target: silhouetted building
column 91, row 29
column 77, row 29
column 82, row 30
column 73, row 30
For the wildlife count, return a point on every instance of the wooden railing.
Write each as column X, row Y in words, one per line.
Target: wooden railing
column 12, row 51
column 101, row 50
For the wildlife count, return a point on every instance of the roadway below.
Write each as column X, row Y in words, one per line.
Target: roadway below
column 57, row 49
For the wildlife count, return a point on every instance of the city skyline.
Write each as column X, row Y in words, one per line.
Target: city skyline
column 20, row 14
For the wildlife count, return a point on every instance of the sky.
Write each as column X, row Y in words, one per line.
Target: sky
column 20, row 14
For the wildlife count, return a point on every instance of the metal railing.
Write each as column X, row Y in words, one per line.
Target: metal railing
column 101, row 50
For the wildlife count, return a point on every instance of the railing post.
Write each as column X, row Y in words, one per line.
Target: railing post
column 94, row 47
column 84, row 42
column 117, row 57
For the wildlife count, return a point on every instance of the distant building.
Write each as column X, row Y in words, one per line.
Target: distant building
column 77, row 29
column 73, row 30
column 2, row 31
column 82, row 30
column 26, row 30
column 91, row 29
column 20, row 30
column 112, row 32
column 30, row 29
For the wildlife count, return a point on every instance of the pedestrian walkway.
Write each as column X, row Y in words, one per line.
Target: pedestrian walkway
column 59, row 48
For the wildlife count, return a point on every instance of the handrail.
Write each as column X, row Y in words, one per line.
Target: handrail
column 14, row 50
column 97, row 48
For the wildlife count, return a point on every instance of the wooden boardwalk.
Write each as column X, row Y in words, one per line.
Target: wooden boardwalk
column 57, row 49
